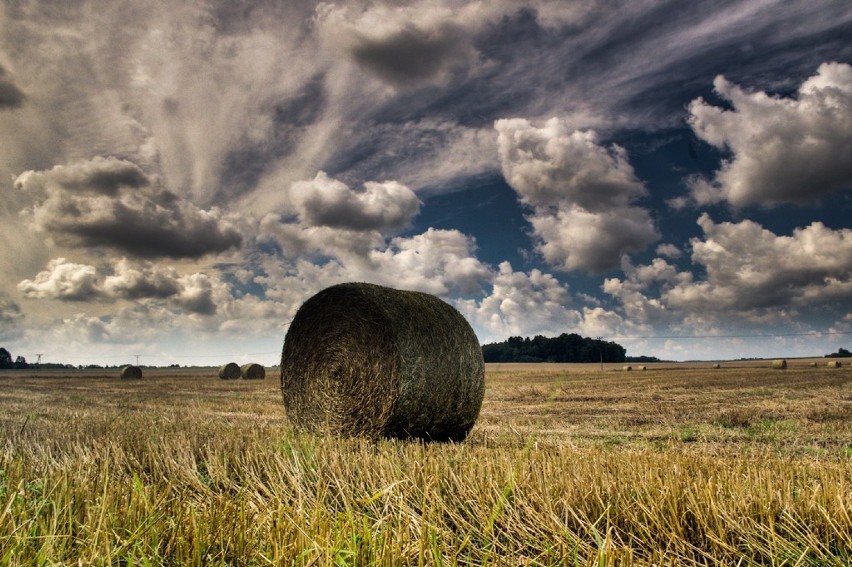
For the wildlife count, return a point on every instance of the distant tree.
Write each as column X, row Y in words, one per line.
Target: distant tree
column 21, row 363
column 564, row 348
column 5, row 359
column 841, row 353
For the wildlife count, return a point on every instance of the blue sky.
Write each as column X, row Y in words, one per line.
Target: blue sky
column 177, row 178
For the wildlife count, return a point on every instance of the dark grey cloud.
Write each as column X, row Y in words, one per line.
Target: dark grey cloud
column 10, row 317
column 111, row 203
column 147, row 228
column 10, row 95
column 410, row 55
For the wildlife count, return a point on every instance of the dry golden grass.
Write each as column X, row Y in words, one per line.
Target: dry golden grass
column 567, row 465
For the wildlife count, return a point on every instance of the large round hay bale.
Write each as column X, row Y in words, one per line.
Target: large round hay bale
column 626, row 368
column 361, row 359
column 230, row 371
column 131, row 372
column 779, row 364
column 252, row 371
column 834, row 364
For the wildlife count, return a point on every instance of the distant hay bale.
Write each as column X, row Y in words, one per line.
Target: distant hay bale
column 779, row 364
column 626, row 368
column 834, row 364
column 131, row 372
column 814, row 364
column 362, row 359
column 717, row 365
column 641, row 368
column 252, row 371
column 230, row 371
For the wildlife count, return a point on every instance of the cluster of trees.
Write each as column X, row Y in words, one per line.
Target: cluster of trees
column 7, row 363
column 841, row 353
column 564, row 348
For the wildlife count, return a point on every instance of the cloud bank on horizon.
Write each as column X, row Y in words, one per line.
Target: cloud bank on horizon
column 176, row 181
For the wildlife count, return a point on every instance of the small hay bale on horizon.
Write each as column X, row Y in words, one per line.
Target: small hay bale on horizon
column 779, row 364
column 834, row 364
column 229, row 371
column 131, row 372
column 717, row 365
column 366, row 360
column 252, row 371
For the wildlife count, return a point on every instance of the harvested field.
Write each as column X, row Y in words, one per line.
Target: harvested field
column 680, row 464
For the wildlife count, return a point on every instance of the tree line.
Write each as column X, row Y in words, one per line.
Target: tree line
column 564, row 348
column 6, row 362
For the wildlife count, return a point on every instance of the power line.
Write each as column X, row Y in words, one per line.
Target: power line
column 739, row 336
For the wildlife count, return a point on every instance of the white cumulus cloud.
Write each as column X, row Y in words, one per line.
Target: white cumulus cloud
column 323, row 201
column 581, row 192
column 782, row 150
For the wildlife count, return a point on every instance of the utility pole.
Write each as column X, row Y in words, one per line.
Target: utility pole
column 137, row 359
column 38, row 360
column 600, row 351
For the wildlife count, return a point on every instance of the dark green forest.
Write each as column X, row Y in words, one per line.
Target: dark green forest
column 564, row 348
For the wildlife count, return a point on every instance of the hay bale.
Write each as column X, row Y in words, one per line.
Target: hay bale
column 834, row 364
column 813, row 365
column 641, row 368
column 626, row 368
column 717, row 365
column 131, row 372
column 779, row 364
column 252, row 371
column 230, row 371
column 362, row 359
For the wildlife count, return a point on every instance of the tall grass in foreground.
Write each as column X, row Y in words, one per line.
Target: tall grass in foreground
column 658, row 469
column 194, row 493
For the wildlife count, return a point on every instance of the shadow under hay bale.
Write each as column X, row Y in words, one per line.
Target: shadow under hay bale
column 131, row 372
column 230, row 371
column 362, row 359
column 252, row 371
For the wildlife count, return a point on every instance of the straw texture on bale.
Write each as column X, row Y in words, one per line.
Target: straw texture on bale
column 779, row 364
column 131, row 372
column 252, row 371
column 362, row 359
column 230, row 371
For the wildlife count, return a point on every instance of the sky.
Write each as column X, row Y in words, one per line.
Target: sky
column 176, row 178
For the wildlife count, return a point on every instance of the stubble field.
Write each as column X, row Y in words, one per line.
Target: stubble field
column 567, row 465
